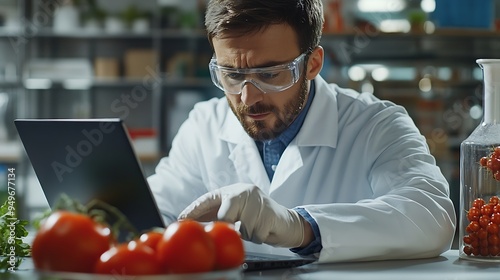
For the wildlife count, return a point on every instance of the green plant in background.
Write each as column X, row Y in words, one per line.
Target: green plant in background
column 96, row 14
column 12, row 231
column 417, row 18
column 3, row 184
column 132, row 13
column 91, row 11
column 188, row 20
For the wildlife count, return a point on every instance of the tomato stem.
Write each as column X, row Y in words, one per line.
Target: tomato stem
column 95, row 210
column 66, row 203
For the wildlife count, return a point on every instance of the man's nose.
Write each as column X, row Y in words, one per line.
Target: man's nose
column 250, row 94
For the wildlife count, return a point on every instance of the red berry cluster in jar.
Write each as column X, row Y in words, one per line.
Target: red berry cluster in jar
column 483, row 237
column 492, row 163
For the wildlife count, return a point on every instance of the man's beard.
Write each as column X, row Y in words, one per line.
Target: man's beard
column 259, row 130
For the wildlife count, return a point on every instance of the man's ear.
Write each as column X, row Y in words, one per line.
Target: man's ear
column 315, row 63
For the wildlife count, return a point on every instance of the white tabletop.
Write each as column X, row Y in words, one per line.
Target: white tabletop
column 447, row 266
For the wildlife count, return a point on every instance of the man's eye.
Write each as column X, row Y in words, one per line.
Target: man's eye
column 268, row 75
column 234, row 76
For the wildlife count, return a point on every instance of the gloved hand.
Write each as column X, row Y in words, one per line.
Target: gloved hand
column 263, row 220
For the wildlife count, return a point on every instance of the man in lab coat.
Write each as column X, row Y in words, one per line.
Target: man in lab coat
column 301, row 164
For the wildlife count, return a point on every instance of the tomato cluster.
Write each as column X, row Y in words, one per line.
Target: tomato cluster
column 483, row 230
column 492, row 163
column 74, row 242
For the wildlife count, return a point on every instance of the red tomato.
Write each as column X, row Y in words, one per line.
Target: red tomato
column 186, row 248
column 130, row 258
column 69, row 241
column 150, row 238
column 229, row 249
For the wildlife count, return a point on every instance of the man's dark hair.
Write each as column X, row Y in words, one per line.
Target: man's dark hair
column 234, row 18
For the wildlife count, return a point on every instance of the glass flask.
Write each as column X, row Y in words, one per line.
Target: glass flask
column 480, row 176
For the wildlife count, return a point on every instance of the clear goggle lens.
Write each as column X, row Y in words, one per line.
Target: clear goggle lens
column 266, row 79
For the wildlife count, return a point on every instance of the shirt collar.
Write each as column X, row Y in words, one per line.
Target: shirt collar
column 287, row 136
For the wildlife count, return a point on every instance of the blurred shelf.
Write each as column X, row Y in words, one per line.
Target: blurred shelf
column 435, row 82
column 439, row 33
column 151, row 34
column 9, row 33
column 147, row 81
column 116, row 82
column 443, row 46
column 85, row 84
column 89, row 34
column 191, row 82
column 448, row 33
column 10, row 83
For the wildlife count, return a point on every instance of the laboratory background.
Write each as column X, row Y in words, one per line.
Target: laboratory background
column 146, row 62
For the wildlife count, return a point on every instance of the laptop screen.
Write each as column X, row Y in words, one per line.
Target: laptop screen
column 89, row 159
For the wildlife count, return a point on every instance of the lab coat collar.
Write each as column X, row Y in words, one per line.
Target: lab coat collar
column 244, row 153
column 322, row 113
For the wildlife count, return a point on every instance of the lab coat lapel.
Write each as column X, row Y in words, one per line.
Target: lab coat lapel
column 320, row 127
column 290, row 161
column 323, row 111
column 248, row 164
column 244, row 153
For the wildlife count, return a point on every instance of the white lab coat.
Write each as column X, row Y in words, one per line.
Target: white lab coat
column 358, row 165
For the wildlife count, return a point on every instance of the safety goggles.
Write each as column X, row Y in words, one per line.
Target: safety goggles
column 266, row 79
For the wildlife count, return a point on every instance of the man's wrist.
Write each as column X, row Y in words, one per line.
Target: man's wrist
column 314, row 246
column 308, row 233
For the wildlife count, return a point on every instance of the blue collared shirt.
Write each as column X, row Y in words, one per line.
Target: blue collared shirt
column 271, row 151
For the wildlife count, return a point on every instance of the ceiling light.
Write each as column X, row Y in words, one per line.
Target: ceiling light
column 428, row 6
column 395, row 25
column 356, row 73
column 380, row 74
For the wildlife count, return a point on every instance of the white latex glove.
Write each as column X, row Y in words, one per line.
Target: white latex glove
column 262, row 219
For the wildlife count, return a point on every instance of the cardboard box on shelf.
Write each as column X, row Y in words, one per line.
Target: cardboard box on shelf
column 140, row 63
column 105, row 67
column 58, row 68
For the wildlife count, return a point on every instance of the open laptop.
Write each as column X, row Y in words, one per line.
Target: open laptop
column 94, row 159
column 89, row 159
